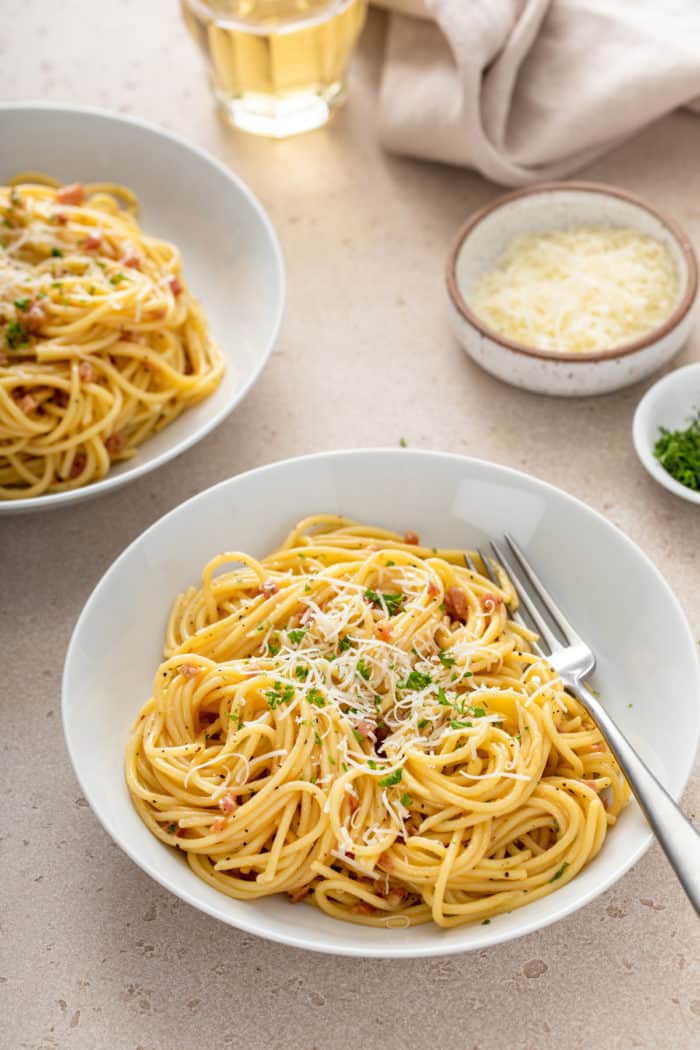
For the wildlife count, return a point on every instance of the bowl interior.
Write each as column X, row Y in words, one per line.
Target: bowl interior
column 610, row 590
column 232, row 261
column 556, row 209
column 670, row 403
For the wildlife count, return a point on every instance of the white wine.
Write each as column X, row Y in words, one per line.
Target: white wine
column 277, row 66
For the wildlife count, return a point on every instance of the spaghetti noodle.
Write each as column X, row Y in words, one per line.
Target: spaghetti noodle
column 101, row 343
column 356, row 720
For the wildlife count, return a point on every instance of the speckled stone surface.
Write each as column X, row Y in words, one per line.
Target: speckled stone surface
column 95, row 956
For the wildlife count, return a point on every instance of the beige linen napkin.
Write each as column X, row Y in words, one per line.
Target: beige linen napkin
column 531, row 89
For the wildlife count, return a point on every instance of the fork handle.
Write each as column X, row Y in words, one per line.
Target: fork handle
column 679, row 839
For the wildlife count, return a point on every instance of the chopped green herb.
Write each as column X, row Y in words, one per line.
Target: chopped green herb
column 317, row 739
column 273, row 645
column 423, row 723
column 235, row 717
column 117, row 278
column 363, row 669
column 345, row 643
column 307, row 588
column 558, row 874
column 442, row 698
column 371, row 763
column 416, row 680
column 477, row 712
column 392, row 778
column 358, row 735
column 446, row 658
column 406, row 799
column 296, row 635
column 313, row 779
column 281, row 694
column 56, row 253
column 678, row 452
column 16, row 335
column 456, row 724
column 393, row 602
column 22, row 304
column 171, row 828
column 555, row 826
column 316, row 697
column 302, row 673
column 344, row 766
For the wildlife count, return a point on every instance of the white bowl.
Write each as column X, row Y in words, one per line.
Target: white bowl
column 232, row 259
column 611, row 591
column 668, row 403
column 555, row 206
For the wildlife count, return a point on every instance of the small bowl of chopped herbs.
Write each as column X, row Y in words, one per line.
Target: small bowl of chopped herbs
column 666, row 432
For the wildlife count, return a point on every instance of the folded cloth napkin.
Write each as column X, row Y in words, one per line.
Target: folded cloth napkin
column 524, row 90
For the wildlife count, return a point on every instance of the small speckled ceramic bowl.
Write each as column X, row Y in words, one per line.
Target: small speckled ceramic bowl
column 554, row 206
column 670, row 403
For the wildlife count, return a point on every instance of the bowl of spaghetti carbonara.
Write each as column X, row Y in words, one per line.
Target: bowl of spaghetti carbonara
column 328, row 727
column 130, row 324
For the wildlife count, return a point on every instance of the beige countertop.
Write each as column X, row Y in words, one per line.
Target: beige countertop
column 94, row 955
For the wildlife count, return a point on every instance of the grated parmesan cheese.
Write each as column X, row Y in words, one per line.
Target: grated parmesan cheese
column 578, row 290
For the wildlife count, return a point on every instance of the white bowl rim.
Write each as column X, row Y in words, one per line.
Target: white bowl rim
column 489, row 938
column 113, row 481
column 643, row 450
column 677, row 315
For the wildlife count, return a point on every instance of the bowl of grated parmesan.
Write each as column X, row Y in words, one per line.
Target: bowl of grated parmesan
column 571, row 288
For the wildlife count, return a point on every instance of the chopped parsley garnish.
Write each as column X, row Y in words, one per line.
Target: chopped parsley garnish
column 313, row 779
column 273, row 645
column 371, row 763
column 171, row 828
column 22, row 304
column 558, row 874
column 446, row 658
column 317, row 739
column 16, row 335
column 393, row 601
column 117, row 278
column 316, row 697
column 456, row 724
column 344, row 766
column 392, row 779
column 416, row 680
column 281, row 694
column 302, row 673
column 358, row 735
column 345, row 643
column 56, row 253
column 235, row 718
column 363, row 669
column 296, row 635
column 442, row 698
column 555, row 827
column 406, row 799
column 423, row 723
column 477, row 712
column 678, row 452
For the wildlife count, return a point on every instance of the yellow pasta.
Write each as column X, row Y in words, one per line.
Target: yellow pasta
column 355, row 721
column 101, row 343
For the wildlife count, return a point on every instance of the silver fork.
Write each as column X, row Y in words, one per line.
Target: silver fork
column 573, row 661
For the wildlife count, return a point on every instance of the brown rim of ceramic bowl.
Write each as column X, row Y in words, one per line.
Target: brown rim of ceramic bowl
column 570, row 357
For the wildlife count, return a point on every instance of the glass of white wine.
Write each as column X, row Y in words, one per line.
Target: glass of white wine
column 278, row 67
